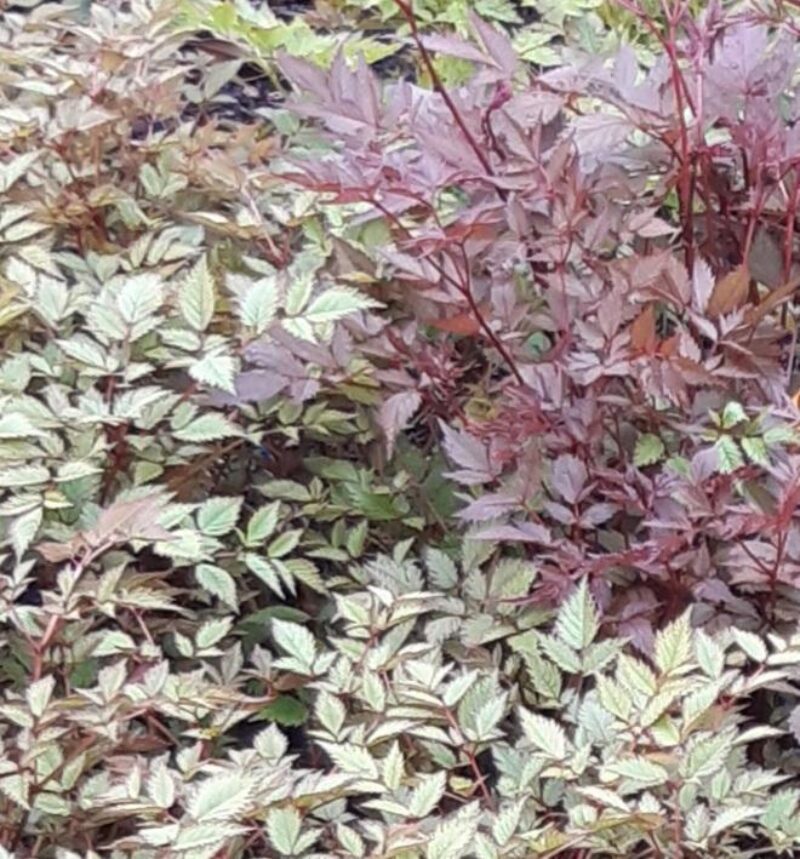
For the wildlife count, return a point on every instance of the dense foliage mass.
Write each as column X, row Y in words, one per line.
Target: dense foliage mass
column 398, row 431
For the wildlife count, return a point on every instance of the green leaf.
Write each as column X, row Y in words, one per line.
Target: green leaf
column 285, row 710
column 578, row 619
column 161, row 786
column 756, row 450
column 262, row 524
column 545, row 734
column 220, row 797
column 217, row 371
column 560, row 653
column 710, row 656
column 349, row 839
column 265, row 570
column 336, row 303
column 706, row 754
column 729, row 817
column 218, row 516
column 218, row 582
column 295, row 640
column 427, row 795
column 38, row 695
column 212, row 632
column 285, row 543
column 602, row 796
column 196, row 298
column 15, row 168
column 283, row 828
column 113, row 641
column 640, row 770
column 393, row 767
column 649, row 450
column 673, row 647
column 729, row 456
column 209, row 427
column 23, row 529
column 259, row 305
column 751, row 644
column 24, row 475
column 733, row 414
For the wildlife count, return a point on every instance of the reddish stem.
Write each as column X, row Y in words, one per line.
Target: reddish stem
column 436, row 81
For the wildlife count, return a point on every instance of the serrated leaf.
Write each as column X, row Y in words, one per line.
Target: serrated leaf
column 218, row 582
column 732, row 415
column 560, row 653
column 284, row 543
column 506, row 823
column 196, row 298
column 604, row 797
column 283, row 828
column 698, row 822
column 649, row 450
column 729, row 293
column 351, row 758
column 23, row 529
column 639, row 770
column 454, row 838
column 24, row 475
column 706, row 754
column 259, row 305
column 216, row 371
column 208, row 427
column 16, row 167
column 729, row 817
column 15, row 425
column 161, row 786
column 263, row 523
column 710, row 656
column 673, row 647
column 336, row 303
column 751, row 644
column 729, row 456
column 296, row 640
column 330, row 712
column 220, row 797
column 265, row 570
column 212, row 632
column 393, row 767
column 578, row 619
column 350, row 840
column 395, row 414
column 38, row 695
column 427, row 794
column 545, row 734
column 755, row 450
column 218, row 516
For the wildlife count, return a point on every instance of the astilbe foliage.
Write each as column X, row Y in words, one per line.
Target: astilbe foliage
column 242, row 611
column 621, row 241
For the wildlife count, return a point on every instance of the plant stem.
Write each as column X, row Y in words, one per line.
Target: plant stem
column 436, row 81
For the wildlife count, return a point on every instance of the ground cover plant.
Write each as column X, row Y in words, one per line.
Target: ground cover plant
column 398, row 430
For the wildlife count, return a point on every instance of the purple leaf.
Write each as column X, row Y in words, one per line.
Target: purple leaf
column 470, row 453
column 490, row 506
column 524, row 532
column 497, row 45
column 395, row 413
column 453, row 47
column 569, row 477
column 252, row 386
